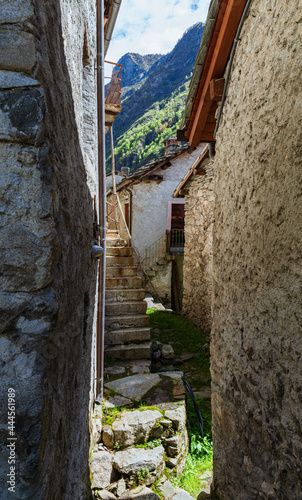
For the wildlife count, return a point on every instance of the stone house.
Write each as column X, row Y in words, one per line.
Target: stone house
column 146, row 198
column 244, row 97
column 196, row 188
column 50, row 188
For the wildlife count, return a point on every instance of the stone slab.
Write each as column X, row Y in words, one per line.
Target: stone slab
column 135, row 386
column 116, row 402
column 11, row 79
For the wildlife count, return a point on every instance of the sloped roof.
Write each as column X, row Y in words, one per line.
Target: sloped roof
column 163, row 161
column 207, row 86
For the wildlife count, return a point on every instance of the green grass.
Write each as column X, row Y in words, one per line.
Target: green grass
column 185, row 338
column 191, row 480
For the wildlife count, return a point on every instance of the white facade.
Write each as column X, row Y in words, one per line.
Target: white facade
column 151, row 197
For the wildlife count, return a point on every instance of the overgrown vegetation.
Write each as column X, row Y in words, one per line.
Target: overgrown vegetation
column 150, row 444
column 186, row 340
column 143, row 142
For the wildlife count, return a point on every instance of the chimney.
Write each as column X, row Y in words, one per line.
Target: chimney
column 125, row 171
column 171, row 145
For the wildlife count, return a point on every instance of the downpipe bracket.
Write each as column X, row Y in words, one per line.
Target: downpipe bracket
column 97, row 251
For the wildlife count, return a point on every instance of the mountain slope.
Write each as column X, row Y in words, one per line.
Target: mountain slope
column 152, row 106
column 136, row 67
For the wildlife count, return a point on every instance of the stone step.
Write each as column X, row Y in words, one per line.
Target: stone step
column 130, row 351
column 115, row 242
column 119, row 251
column 150, row 273
column 112, row 231
column 118, row 271
column 125, row 368
column 126, row 321
column 134, row 282
column 113, row 261
column 127, row 335
column 157, row 267
column 122, row 308
column 120, row 295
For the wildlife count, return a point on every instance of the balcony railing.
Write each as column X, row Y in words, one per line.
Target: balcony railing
column 155, row 251
column 175, row 241
column 172, row 242
column 113, row 90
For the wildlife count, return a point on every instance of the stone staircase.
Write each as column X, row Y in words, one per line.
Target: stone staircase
column 127, row 331
column 144, row 441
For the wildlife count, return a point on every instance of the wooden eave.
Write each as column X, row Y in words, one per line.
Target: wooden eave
column 202, row 121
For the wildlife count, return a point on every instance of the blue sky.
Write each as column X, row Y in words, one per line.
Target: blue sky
column 153, row 26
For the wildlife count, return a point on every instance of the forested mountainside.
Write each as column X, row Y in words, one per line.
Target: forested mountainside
column 154, row 91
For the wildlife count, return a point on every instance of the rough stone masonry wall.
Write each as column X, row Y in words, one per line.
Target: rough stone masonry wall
column 256, row 342
column 46, row 233
column 198, row 257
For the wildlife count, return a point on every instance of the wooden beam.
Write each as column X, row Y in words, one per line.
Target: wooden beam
column 216, row 89
column 216, row 66
column 206, row 137
column 203, row 110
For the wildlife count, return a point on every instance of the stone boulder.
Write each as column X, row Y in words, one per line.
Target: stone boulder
column 134, row 427
column 133, row 460
column 167, row 351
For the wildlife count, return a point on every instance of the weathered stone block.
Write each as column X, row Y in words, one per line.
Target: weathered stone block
column 21, row 115
column 178, row 417
column 167, row 490
column 17, row 51
column 167, row 351
column 104, row 495
column 135, row 426
column 11, row 79
column 141, row 493
column 101, row 469
column 14, row 11
column 108, row 436
column 133, row 460
column 23, row 260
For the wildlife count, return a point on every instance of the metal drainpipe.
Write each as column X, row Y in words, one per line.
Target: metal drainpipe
column 113, row 15
column 130, row 215
column 102, row 198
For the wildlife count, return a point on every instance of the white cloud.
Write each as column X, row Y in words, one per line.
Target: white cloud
column 153, row 26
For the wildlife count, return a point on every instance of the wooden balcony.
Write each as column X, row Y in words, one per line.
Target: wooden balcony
column 113, row 95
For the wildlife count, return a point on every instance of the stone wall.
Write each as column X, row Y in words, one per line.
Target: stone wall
column 256, row 336
column 48, row 278
column 198, row 257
